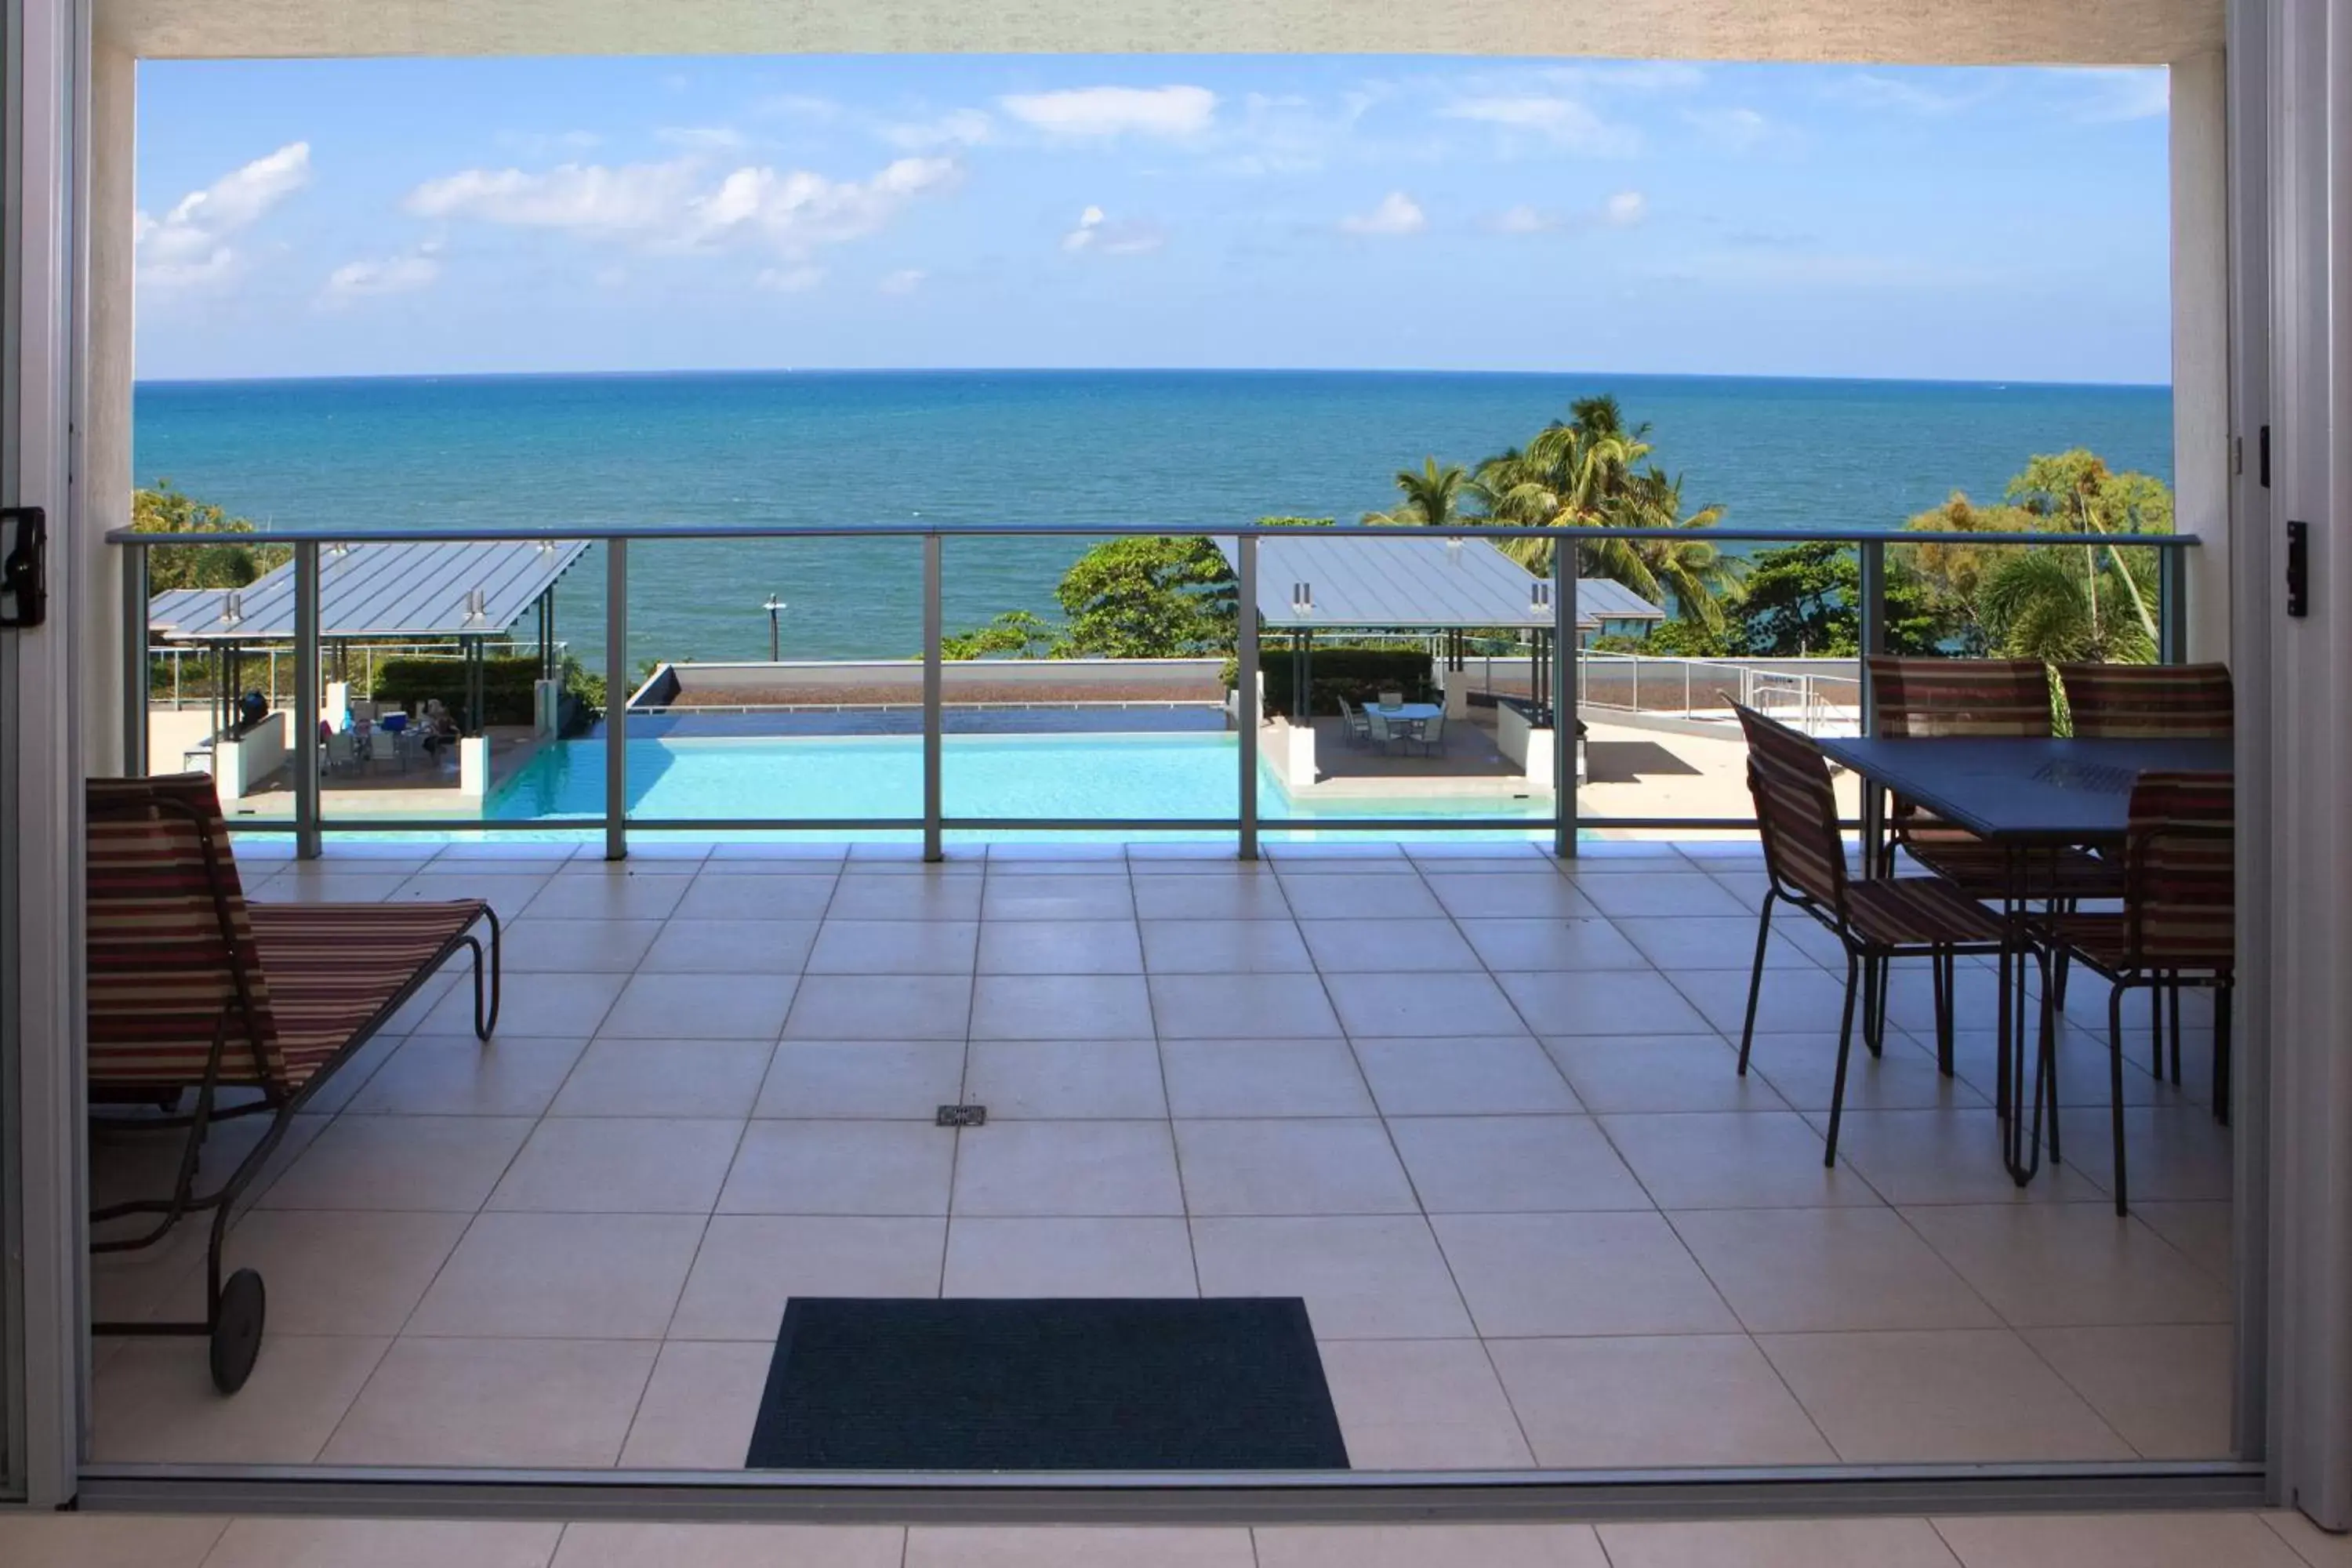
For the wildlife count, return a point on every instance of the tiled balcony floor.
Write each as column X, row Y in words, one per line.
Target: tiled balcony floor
column 1478, row 1109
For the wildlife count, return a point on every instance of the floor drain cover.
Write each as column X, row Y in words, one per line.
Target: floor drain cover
column 963, row 1116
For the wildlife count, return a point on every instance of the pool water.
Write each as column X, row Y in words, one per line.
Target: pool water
column 881, row 776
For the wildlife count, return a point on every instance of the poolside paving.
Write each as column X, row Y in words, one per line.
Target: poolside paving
column 1477, row 1108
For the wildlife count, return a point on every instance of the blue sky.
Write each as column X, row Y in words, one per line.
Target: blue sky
column 356, row 217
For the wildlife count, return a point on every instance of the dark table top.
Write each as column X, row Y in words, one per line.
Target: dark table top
column 2067, row 790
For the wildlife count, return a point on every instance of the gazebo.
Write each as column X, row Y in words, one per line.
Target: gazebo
column 464, row 593
column 1418, row 580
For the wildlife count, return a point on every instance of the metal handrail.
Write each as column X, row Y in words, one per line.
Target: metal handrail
column 616, row 821
column 638, row 530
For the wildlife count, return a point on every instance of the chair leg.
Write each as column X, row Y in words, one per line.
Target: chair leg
column 2116, row 1087
column 2224, row 997
column 1755, row 979
column 1869, row 997
column 1878, row 1012
column 2048, row 1052
column 2173, row 993
column 1946, row 976
column 1854, row 970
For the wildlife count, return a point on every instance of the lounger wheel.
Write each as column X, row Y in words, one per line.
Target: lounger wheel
column 237, row 1330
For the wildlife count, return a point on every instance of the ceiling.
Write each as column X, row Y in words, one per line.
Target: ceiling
column 1922, row 32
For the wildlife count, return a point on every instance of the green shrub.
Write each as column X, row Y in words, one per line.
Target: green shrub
column 1358, row 674
column 407, row 682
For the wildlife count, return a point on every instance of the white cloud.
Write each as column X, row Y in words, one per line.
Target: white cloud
column 1733, row 129
column 1900, row 94
column 547, row 143
column 402, row 274
column 674, row 205
column 2105, row 94
column 801, row 106
column 1398, row 213
column 957, row 128
column 1108, row 236
column 1108, row 112
column 189, row 244
column 789, row 279
column 905, row 281
column 703, row 138
column 1569, row 123
column 1623, row 210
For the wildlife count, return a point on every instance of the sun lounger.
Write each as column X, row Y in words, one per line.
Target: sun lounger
column 247, row 1008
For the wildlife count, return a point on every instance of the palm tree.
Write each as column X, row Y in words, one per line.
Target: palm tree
column 2039, row 604
column 1694, row 570
column 1569, row 476
column 1433, row 497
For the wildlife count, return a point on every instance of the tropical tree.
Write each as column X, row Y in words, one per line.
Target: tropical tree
column 1015, row 634
column 165, row 508
column 2041, row 604
column 1803, row 600
column 1566, row 477
column 1695, row 572
column 1148, row 596
column 1431, row 497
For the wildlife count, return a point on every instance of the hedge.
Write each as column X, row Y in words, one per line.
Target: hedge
column 1358, row 674
column 407, row 682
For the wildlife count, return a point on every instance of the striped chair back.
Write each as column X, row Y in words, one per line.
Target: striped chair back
column 1925, row 697
column 2180, row 871
column 172, row 965
column 2142, row 701
column 1796, row 810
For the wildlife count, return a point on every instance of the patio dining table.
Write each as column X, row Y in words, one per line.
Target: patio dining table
column 2026, row 798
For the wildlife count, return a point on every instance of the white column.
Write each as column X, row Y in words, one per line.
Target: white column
column 2201, row 452
column 2298, row 759
column 110, row 148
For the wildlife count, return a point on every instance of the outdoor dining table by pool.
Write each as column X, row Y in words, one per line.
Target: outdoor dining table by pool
column 2025, row 796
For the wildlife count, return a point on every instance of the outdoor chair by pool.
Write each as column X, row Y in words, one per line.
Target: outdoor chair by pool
column 2179, row 923
column 2002, row 698
column 2151, row 701
column 1430, row 735
column 249, row 1008
column 1378, row 731
column 1359, row 728
column 1877, row 920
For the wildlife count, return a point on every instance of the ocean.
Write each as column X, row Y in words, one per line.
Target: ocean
column 1199, row 449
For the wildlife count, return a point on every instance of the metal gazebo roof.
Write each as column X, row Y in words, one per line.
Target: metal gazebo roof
column 1414, row 581
column 392, row 590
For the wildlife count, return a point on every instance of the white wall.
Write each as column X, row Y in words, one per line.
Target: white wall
column 2202, row 451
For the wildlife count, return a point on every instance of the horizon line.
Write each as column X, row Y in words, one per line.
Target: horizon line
column 779, row 371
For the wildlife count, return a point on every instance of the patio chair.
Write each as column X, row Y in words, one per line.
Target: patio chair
column 342, row 751
column 1378, row 731
column 1928, row 698
column 2149, row 701
column 2177, row 926
column 1430, row 735
column 1877, row 920
column 2144, row 702
column 250, row 1008
column 1359, row 728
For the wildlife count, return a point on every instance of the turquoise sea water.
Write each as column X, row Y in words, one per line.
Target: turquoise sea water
column 881, row 776
column 1197, row 449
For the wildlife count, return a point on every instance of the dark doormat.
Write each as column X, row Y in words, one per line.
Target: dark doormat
column 904, row 1385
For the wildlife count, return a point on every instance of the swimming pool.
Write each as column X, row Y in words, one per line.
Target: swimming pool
column 881, row 776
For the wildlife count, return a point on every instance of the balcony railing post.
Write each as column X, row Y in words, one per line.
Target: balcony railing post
column 135, row 667
column 1245, row 668
column 934, row 845
column 1873, row 610
column 2172, row 606
column 306, row 747
column 617, row 699
column 1565, row 675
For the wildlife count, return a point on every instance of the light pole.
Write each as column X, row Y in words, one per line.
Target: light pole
column 775, row 608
